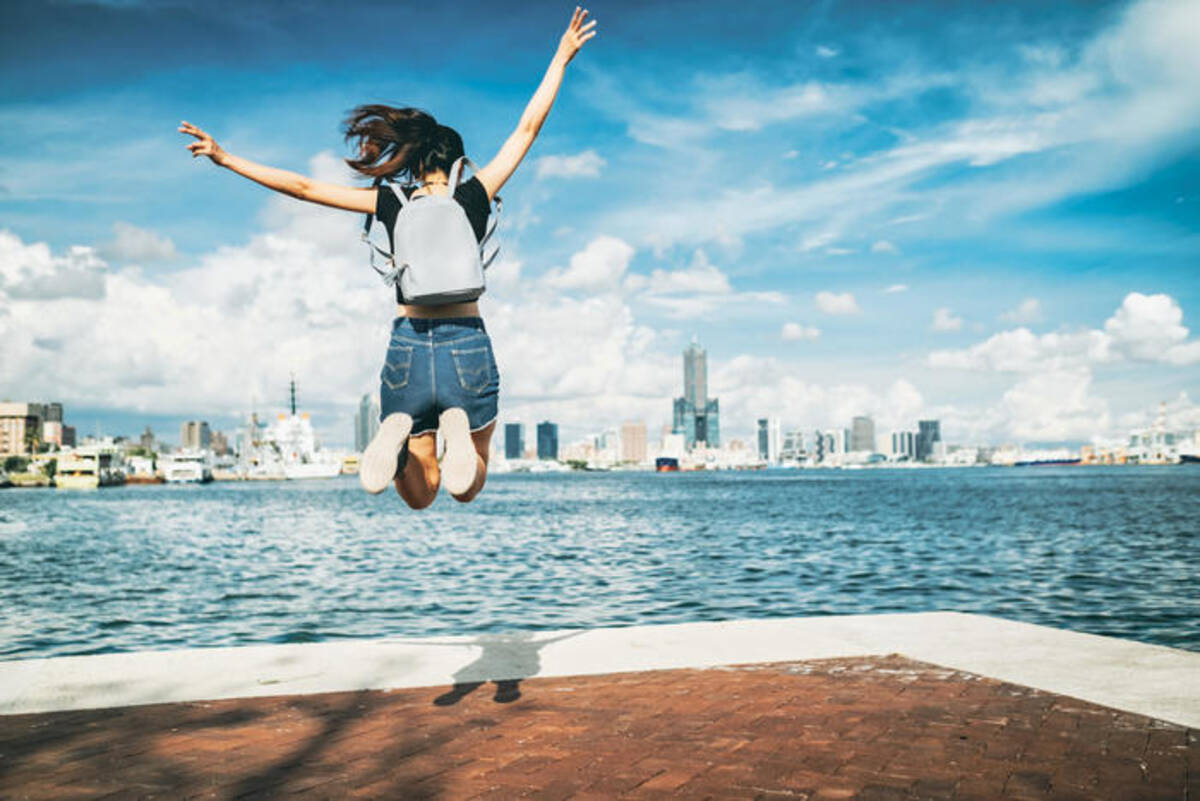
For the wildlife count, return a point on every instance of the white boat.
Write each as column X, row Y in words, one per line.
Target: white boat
column 292, row 447
column 187, row 466
column 88, row 467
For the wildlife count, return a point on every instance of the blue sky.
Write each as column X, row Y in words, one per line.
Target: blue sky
column 856, row 207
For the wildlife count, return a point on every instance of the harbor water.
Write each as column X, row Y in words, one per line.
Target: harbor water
column 1109, row 551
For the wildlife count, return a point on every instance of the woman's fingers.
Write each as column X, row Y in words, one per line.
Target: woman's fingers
column 587, row 27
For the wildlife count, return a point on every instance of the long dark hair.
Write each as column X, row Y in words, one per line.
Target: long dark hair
column 406, row 143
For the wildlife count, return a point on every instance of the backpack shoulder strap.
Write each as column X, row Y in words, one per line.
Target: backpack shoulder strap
column 392, row 275
column 456, row 172
column 399, row 193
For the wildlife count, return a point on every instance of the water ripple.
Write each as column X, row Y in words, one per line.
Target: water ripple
column 1103, row 551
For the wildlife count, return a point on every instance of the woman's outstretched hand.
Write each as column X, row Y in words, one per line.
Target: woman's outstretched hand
column 204, row 145
column 576, row 34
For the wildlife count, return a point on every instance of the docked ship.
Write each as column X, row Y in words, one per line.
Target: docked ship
column 89, row 467
column 292, row 448
column 666, row 464
column 189, row 466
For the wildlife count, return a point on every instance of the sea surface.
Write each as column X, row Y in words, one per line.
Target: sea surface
column 1110, row 551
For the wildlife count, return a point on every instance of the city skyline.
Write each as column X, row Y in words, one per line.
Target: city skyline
column 981, row 215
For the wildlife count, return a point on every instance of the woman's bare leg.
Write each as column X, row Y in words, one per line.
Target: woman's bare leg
column 419, row 481
column 482, row 440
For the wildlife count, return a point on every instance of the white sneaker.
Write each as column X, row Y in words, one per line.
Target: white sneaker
column 460, row 460
column 382, row 457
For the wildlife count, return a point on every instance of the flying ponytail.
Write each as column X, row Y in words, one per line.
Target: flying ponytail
column 399, row 142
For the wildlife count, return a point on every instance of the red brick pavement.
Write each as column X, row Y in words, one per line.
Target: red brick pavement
column 875, row 728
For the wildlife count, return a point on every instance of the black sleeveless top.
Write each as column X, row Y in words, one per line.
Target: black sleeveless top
column 470, row 195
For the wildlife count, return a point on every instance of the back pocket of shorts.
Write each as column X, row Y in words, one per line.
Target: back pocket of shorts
column 397, row 367
column 474, row 368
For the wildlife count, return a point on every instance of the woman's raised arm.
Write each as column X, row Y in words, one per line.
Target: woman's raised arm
column 501, row 168
column 289, row 183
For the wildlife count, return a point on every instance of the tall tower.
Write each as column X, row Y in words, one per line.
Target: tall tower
column 929, row 433
column 862, row 434
column 695, row 375
column 547, row 440
column 695, row 415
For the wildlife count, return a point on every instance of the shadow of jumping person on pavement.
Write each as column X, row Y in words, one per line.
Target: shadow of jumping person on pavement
column 505, row 659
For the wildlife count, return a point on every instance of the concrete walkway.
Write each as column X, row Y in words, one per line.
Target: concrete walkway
column 870, row 728
column 1150, row 680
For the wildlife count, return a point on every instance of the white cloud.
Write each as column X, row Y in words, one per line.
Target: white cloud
column 1027, row 311
column 1052, row 406
column 750, row 387
column 884, row 246
column 209, row 339
column 825, row 51
column 837, row 303
column 504, row 275
column 894, row 288
column 700, row 277
column 696, row 290
column 817, row 241
column 1150, row 328
column 32, row 272
column 945, row 320
column 581, row 165
column 794, row 332
column 133, row 245
column 736, row 103
column 1145, row 328
column 600, row 265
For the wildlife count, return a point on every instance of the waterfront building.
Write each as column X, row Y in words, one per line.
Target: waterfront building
column 146, row 440
column 219, row 443
column 633, row 442
column 547, row 440
column 770, row 439
column 608, row 448
column 862, row 434
column 929, row 436
column 52, row 433
column 514, row 440
column 194, row 435
column 68, row 436
column 366, row 420
column 903, row 448
column 583, row 450
column 792, row 449
column 21, row 428
column 695, row 415
column 52, row 424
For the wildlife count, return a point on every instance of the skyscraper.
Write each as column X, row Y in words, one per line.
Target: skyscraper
column 633, row 442
column 695, row 375
column 547, row 440
column 695, row 415
column 194, row 434
column 929, row 433
column 366, row 420
column 514, row 440
column 769, row 439
column 902, row 445
column 862, row 434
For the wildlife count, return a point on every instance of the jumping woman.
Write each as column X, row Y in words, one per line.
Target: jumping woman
column 440, row 372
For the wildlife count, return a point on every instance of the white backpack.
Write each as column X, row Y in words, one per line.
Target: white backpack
column 437, row 260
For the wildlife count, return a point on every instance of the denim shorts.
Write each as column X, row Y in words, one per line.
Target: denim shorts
column 434, row 365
